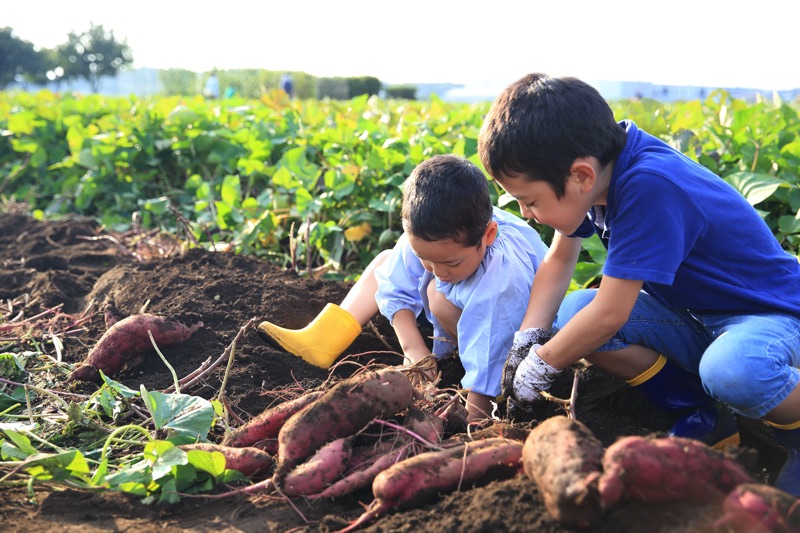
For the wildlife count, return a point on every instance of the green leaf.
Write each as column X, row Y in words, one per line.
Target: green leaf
column 57, row 466
column 306, row 203
column 231, row 190
column 586, row 273
column 597, row 251
column 22, row 442
column 212, row 462
column 284, row 178
column 17, row 397
column 183, row 414
column 789, row 224
column 753, row 186
column 168, row 459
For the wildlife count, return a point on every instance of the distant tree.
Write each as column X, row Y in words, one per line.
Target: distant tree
column 363, row 85
column 19, row 60
column 178, row 81
column 93, row 55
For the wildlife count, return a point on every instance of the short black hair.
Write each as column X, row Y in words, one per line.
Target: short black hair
column 539, row 125
column 447, row 197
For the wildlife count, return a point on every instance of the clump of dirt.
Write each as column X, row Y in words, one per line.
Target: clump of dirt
column 71, row 263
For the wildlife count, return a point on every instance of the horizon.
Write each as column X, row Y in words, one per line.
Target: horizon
column 442, row 42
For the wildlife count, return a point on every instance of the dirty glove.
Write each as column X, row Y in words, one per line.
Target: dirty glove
column 532, row 377
column 523, row 340
column 518, row 411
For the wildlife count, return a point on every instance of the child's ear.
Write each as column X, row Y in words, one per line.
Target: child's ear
column 491, row 233
column 584, row 172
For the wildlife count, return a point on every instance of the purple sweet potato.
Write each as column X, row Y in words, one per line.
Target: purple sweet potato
column 320, row 470
column 666, row 469
column 426, row 476
column 262, row 430
column 564, row 458
column 759, row 508
column 248, row 461
column 425, row 424
column 363, row 472
column 495, row 429
column 126, row 342
column 343, row 410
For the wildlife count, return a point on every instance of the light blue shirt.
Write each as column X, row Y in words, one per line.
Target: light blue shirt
column 493, row 299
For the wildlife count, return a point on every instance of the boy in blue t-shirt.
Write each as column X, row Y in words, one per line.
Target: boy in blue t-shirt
column 698, row 301
column 467, row 265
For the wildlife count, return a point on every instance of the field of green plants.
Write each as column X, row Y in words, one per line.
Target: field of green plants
column 312, row 184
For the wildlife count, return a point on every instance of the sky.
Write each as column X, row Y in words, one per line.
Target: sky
column 672, row 42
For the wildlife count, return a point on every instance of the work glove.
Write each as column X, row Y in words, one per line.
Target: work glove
column 533, row 376
column 518, row 411
column 523, row 340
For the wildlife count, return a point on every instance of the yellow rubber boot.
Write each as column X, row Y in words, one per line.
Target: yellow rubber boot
column 320, row 342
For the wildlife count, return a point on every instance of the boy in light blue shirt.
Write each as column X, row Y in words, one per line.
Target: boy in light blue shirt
column 467, row 265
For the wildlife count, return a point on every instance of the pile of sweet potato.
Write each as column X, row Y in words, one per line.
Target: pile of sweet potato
column 373, row 429
column 580, row 481
column 376, row 429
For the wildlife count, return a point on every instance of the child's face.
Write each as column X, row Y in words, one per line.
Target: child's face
column 449, row 260
column 538, row 201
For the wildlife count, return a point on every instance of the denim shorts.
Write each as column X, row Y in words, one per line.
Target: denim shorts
column 749, row 362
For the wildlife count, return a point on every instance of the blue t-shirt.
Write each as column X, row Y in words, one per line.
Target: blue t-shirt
column 493, row 300
column 689, row 235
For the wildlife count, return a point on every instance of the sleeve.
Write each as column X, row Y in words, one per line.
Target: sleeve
column 494, row 301
column 399, row 281
column 655, row 226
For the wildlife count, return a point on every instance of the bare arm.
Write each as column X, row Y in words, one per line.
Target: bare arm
column 593, row 325
column 411, row 341
column 551, row 282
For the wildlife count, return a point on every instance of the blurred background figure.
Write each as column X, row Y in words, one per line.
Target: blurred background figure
column 211, row 90
column 287, row 85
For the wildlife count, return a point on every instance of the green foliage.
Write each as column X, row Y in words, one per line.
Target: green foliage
column 82, row 445
column 93, row 54
column 18, row 58
column 312, row 183
column 368, row 85
column 407, row 92
column 179, row 82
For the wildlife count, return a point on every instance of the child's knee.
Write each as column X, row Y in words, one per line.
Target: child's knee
column 572, row 303
column 732, row 381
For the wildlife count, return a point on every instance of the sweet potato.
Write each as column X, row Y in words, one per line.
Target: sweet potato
column 249, row 461
column 425, row 424
column 262, row 430
column 343, row 410
column 364, row 472
column 564, row 459
column 426, row 476
column 320, row 470
column 496, row 429
column 758, row 508
column 126, row 343
column 667, row 469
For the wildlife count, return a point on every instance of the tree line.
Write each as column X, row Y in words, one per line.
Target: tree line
column 90, row 55
column 96, row 53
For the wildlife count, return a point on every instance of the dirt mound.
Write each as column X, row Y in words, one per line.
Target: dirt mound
column 72, row 263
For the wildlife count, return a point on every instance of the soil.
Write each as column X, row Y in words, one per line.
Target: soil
column 73, row 263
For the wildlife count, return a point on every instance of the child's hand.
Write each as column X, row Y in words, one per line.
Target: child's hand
column 523, row 340
column 425, row 371
column 533, row 376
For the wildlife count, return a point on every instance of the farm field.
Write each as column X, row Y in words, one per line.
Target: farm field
column 57, row 265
